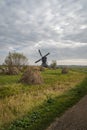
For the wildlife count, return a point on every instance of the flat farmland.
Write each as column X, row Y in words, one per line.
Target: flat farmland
column 34, row 107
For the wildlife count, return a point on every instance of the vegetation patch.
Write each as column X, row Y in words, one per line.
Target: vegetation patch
column 18, row 101
column 40, row 117
column 31, row 76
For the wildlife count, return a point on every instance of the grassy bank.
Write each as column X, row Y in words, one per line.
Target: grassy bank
column 26, row 107
column 41, row 116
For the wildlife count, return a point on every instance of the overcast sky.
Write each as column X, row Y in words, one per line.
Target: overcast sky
column 55, row 26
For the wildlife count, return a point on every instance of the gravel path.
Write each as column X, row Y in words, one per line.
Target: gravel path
column 73, row 119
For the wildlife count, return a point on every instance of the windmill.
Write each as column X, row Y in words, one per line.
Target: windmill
column 43, row 59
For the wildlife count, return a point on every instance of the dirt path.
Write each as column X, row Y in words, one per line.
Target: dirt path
column 73, row 119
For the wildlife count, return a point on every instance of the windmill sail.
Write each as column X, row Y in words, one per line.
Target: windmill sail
column 40, row 53
column 38, row 60
column 46, row 54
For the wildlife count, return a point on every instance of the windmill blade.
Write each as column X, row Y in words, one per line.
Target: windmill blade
column 40, row 53
column 38, row 60
column 46, row 54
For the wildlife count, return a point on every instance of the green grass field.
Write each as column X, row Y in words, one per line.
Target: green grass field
column 34, row 107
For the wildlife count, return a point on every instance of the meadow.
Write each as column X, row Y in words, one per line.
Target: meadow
column 34, row 107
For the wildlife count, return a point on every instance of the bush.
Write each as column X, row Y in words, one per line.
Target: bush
column 53, row 64
column 65, row 70
column 9, row 70
column 31, row 76
column 13, row 71
column 42, row 68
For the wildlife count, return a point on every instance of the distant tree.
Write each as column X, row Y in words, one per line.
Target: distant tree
column 15, row 59
column 54, row 64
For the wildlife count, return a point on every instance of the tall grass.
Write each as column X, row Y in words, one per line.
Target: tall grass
column 17, row 100
column 40, row 117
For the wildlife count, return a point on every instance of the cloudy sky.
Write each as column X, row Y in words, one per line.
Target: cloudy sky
column 55, row 26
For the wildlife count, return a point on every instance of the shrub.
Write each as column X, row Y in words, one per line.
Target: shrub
column 31, row 76
column 65, row 70
column 13, row 71
column 53, row 64
column 42, row 68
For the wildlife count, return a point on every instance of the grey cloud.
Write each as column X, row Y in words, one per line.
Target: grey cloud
column 81, row 36
column 26, row 23
column 67, row 53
